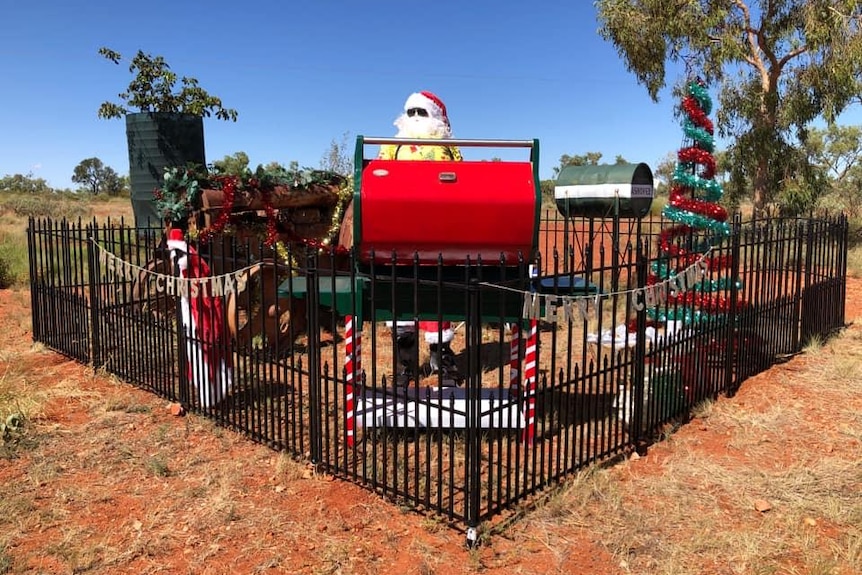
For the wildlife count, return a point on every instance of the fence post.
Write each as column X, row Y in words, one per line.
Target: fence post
column 95, row 300
column 473, row 432
column 638, row 373
column 733, row 339
column 800, row 308
column 842, row 268
column 183, row 335
column 809, row 263
column 35, row 311
column 314, row 382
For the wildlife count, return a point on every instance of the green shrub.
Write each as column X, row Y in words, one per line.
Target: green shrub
column 658, row 204
column 13, row 263
column 5, row 274
column 44, row 206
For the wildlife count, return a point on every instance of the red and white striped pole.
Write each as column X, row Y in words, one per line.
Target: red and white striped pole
column 353, row 365
column 514, row 367
column 530, row 382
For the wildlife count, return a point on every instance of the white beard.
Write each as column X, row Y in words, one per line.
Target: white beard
column 421, row 127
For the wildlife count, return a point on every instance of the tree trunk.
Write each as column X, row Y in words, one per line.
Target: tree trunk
column 765, row 129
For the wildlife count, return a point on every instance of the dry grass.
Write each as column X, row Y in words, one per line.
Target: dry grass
column 688, row 507
column 135, row 491
column 854, row 262
column 695, row 513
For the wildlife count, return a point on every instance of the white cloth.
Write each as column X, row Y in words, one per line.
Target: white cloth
column 213, row 383
column 620, row 337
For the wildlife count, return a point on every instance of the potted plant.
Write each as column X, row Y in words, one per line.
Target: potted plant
column 164, row 125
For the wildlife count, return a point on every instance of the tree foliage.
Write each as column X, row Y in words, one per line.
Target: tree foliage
column 833, row 155
column 235, row 164
column 153, row 88
column 24, row 184
column 781, row 64
column 663, row 173
column 588, row 159
column 97, row 177
column 338, row 158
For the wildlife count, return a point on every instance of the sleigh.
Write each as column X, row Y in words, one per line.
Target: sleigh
column 411, row 229
column 423, row 225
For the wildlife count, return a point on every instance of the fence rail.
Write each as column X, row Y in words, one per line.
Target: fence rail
column 614, row 339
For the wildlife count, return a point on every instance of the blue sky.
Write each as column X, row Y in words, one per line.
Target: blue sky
column 302, row 74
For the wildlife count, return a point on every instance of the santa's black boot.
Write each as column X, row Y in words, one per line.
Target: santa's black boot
column 443, row 360
column 406, row 344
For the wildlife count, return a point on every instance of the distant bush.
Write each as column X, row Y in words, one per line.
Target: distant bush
column 24, row 184
column 13, row 263
column 44, row 206
column 15, row 208
column 658, row 204
column 5, row 274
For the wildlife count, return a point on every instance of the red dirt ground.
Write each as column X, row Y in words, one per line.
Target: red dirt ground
column 117, row 484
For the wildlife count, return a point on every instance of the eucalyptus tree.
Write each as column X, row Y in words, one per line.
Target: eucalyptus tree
column 94, row 175
column 663, row 174
column 836, row 151
column 232, row 164
column 588, row 159
column 781, row 64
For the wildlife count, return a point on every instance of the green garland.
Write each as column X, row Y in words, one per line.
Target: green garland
column 180, row 193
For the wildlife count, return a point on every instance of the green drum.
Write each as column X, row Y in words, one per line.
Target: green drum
column 605, row 191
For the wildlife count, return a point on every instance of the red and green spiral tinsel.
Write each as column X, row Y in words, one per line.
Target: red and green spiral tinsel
column 693, row 208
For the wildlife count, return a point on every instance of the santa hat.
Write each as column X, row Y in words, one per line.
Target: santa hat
column 176, row 240
column 430, row 102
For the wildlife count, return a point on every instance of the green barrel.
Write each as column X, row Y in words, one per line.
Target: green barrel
column 158, row 140
column 605, row 190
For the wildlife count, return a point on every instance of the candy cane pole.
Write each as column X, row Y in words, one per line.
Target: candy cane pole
column 514, row 368
column 353, row 365
column 530, row 382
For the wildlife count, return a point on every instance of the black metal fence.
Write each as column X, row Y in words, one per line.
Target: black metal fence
column 573, row 356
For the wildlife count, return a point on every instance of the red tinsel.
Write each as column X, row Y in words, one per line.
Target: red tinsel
column 326, row 248
column 271, row 227
column 700, row 207
column 696, row 114
column 704, row 208
column 695, row 155
column 719, row 263
column 667, row 235
column 710, row 303
column 228, row 186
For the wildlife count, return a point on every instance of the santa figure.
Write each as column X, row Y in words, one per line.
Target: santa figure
column 424, row 117
column 210, row 368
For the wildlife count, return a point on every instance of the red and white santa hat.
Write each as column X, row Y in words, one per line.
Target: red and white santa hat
column 430, row 102
column 176, row 240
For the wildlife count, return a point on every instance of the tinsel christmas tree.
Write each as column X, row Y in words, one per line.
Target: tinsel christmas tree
column 700, row 223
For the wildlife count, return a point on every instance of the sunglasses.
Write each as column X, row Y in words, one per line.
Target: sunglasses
column 417, row 112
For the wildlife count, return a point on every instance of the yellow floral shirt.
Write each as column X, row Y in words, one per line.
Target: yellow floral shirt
column 407, row 152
